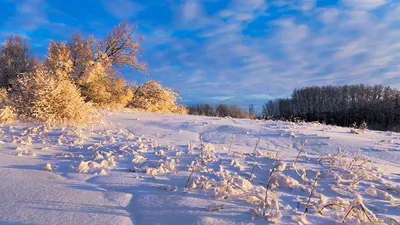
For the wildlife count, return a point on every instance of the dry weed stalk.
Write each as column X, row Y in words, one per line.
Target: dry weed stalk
column 255, row 148
column 300, row 151
column 230, row 144
column 312, row 192
column 354, row 159
column 280, row 166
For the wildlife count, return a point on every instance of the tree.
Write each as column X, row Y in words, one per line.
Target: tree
column 15, row 60
column 82, row 54
column 58, row 60
column 96, row 64
column 48, row 94
column 222, row 110
column 340, row 105
column 251, row 109
column 120, row 47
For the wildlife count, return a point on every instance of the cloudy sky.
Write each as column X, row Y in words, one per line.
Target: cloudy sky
column 232, row 51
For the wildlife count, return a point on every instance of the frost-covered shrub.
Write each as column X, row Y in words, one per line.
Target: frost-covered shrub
column 180, row 109
column 7, row 115
column 3, row 97
column 152, row 97
column 101, row 87
column 44, row 98
column 165, row 167
column 49, row 95
column 108, row 93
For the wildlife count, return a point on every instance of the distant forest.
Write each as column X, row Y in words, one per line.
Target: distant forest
column 377, row 105
column 221, row 110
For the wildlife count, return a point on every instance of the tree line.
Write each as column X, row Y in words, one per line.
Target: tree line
column 221, row 110
column 377, row 105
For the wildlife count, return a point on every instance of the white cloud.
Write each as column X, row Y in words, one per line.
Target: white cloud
column 30, row 15
column 250, row 5
column 290, row 32
column 329, row 15
column 307, row 5
column 191, row 9
column 240, row 10
column 393, row 14
column 350, row 49
column 351, row 46
column 364, row 4
column 303, row 5
column 122, row 9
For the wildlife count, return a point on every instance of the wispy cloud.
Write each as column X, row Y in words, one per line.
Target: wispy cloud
column 191, row 9
column 30, row 14
column 122, row 9
column 316, row 46
column 365, row 4
column 250, row 51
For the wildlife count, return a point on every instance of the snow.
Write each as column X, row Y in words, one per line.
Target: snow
column 150, row 168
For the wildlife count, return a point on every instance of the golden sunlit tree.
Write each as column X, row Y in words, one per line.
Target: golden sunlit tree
column 95, row 65
column 48, row 94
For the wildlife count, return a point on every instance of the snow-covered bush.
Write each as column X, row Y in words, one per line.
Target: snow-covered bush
column 108, row 93
column 165, row 167
column 7, row 113
column 101, row 87
column 152, row 97
column 3, row 97
column 48, row 94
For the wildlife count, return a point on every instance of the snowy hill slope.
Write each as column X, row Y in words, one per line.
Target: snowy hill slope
column 148, row 168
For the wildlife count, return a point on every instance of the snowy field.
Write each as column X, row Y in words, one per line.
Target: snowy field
column 147, row 168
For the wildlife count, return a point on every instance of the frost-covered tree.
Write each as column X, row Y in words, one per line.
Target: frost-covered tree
column 82, row 55
column 96, row 64
column 15, row 60
column 7, row 113
column 48, row 94
column 58, row 60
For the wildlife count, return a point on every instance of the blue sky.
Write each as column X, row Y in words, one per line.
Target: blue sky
column 232, row 51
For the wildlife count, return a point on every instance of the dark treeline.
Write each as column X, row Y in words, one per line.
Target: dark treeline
column 377, row 105
column 221, row 110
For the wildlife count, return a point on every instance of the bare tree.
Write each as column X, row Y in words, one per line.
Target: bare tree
column 220, row 110
column 341, row 105
column 251, row 109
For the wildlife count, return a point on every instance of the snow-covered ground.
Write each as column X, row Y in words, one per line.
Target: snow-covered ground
column 148, row 168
